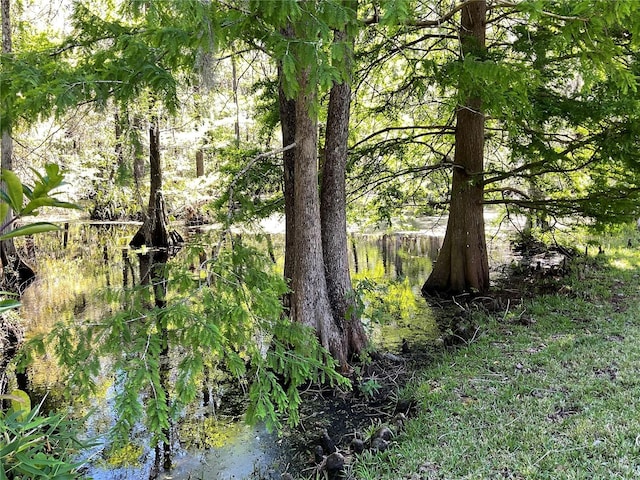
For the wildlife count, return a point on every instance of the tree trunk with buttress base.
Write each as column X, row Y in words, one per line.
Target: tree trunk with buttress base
column 334, row 219
column 154, row 231
column 309, row 300
column 154, row 234
column 462, row 263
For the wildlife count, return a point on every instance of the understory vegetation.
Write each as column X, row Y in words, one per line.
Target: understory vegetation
column 548, row 388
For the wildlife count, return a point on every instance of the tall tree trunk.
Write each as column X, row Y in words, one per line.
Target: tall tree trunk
column 154, row 232
column 462, row 263
column 234, row 87
column 15, row 272
column 310, row 300
column 288, row 127
column 334, row 218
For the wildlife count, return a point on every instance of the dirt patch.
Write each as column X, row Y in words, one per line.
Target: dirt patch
column 345, row 423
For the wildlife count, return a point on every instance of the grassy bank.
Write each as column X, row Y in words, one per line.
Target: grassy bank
column 548, row 389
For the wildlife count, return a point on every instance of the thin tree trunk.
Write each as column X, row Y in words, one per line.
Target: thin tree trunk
column 200, row 162
column 334, row 218
column 118, row 149
column 310, row 300
column 462, row 263
column 354, row 249
column 234, row 85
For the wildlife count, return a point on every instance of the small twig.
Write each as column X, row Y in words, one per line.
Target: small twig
column 475, row 334
column 549, row 452
column 506, row 312
column 458, row 304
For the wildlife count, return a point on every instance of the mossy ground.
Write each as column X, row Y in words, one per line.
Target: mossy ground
column 548, row 388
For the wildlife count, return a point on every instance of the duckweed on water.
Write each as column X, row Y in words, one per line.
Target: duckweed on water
column 126, row 456
column 210, row 432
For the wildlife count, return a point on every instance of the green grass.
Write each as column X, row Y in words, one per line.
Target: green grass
column 548, row 390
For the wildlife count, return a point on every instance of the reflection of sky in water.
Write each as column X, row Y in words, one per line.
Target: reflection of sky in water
column 246, row 451
column 240, row 452
column 94, row 259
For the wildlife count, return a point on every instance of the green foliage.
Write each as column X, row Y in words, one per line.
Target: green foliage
column 294, row 358
column 33, row 445
column 267, row 108
column 396, row 11
column 299, row 35
column 20, row 403
column 226, row 315
column 36, row 446
column 37, row 197
column 145, row 46
column 33, row 85
column 558, row 85
column 370, row 387
column 254, row 186
column 8, row 304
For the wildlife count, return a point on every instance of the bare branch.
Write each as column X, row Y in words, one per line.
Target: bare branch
column 437, row 128
column 506, row 3
column 362, row 190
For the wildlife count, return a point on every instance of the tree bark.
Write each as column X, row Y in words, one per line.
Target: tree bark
column 118, row 149
column 155, row 234
column 288, row 127
column 234, row 87
column 334, row 218
column 462, row 263
column 154, row 231
column 200, row 162
column 16, row 274
column 138, row 155
column 309, row 300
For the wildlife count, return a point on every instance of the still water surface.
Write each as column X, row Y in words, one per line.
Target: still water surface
column 76, row 264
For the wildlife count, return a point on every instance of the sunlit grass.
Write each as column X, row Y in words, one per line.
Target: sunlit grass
column 550, row 390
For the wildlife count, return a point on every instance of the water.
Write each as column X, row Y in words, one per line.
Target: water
column 74, row 266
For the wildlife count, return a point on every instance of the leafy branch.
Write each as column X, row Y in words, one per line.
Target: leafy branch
column 13, row 199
